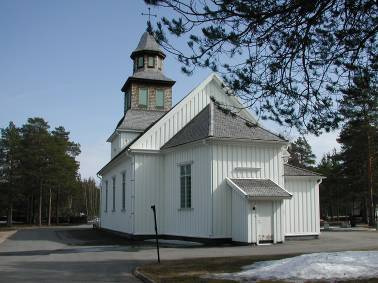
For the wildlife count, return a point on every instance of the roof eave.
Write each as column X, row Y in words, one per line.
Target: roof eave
column 132, row 79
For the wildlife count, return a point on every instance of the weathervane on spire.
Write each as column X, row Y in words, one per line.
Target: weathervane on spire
column 149, row 14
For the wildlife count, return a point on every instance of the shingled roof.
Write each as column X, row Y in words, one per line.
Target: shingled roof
column 139, row 120
column 215, row 122
column 147, row 43
column 259, row 188
column 290, row 170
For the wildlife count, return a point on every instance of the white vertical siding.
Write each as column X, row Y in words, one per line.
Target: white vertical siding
column 302, row 210
column 241, row 218
column 149, row 176
column 183, row 112
column 195, row 222
column 255, row 160
column 118, row 220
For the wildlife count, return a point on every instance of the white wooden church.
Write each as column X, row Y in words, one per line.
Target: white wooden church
column 210, row 169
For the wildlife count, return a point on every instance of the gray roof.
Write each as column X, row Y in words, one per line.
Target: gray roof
column 148, row 43
column 218, row 123
column 290, row 170
column 139, row 120
column 261, row 188
column 151, row 75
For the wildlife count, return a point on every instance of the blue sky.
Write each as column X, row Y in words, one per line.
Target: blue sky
column 66, row 61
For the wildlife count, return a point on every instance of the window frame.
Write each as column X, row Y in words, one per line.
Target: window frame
column 140, row 62
column 139, row 97
column 148, row 61
column 156, row 97
column 124, row 191
column 185, row 191
column 114, row 190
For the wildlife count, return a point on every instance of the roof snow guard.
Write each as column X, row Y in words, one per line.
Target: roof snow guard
column 258, row 188
column 220, row 123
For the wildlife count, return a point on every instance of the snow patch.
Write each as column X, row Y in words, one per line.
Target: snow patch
column 316, row 266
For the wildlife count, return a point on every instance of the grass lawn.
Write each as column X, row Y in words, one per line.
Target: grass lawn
column 193, row 270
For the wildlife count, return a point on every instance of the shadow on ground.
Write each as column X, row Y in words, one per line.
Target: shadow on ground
column 65, row 271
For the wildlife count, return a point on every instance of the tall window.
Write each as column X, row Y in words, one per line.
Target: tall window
column 106, row 196
column 186, row 186
column 151, row 62
column 140, row 62
column 114, row 190
column 159, row 98
column 123, row 190
column 127, row 102
column 143, row 97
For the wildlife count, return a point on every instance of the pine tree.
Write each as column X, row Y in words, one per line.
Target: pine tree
column 359, row 137
column 10, row 166
column 301, row 154
column 287, row 59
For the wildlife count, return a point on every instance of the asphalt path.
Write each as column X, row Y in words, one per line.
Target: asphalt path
column 82, row 254
column 53, row 255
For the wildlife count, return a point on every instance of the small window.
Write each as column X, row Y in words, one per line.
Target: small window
column 186, row 186
column 123, row 191
column 159, row 62
column 140, row 62
column 143, row 97
column 127, row 102
column 114, row 190
column 159, row 98
column 151, row 62
column 106, row 196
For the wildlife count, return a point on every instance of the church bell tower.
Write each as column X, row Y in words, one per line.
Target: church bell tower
column 148, row 88
column 147, row 94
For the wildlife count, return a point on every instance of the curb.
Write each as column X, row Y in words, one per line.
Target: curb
column 144, row 278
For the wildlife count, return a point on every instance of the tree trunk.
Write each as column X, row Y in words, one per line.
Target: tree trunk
column 10, row 215
column 370, row 183
column 49, row 216
column 40, row 205
column 57, row 206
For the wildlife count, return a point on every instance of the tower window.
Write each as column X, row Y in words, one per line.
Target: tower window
column 127, row 102
column 159, row 98
column 143, row 97
column 151, row 62
column 140, row 62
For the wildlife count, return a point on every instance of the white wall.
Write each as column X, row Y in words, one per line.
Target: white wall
column 195, row 222
column 252, row 160
column 183, row 112
column 118, row 220
column 149, row 177
column 241, row 218
column 302, row 211
column 121, row 139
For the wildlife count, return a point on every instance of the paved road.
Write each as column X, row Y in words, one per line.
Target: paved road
column 81, row 254
column 50, row 255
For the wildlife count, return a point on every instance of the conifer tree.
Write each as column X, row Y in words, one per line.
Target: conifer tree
column 301, row 154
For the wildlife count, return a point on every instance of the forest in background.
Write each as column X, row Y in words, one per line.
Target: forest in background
column 350, row 187
column 39, row 177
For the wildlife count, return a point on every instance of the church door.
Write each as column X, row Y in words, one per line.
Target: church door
column 264, row 222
